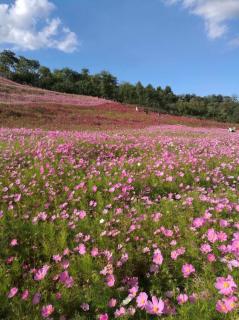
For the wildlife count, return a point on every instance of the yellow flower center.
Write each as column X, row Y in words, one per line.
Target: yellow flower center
column 226, row 285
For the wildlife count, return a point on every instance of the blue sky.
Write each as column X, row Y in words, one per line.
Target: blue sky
column 177, row 44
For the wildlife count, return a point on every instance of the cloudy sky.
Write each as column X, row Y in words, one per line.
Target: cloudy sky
column 192, row 45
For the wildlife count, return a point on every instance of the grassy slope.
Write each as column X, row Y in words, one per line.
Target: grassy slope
column 25, row 106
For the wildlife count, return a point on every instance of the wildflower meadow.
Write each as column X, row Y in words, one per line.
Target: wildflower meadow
column 129, row 224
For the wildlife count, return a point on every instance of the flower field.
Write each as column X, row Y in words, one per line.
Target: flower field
column 130, row 224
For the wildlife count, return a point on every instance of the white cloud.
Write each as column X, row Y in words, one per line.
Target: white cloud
column 28, row 25
column 216, row 13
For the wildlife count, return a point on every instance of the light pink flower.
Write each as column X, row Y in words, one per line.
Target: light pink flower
column 110, row 280
column 225, row 286
column 13, row 243
column 12, row 292
column 142, row 300
column 182, row 298
column 226, row 305
column 94, row 252
column 187, row 270
column 157, row 257
column 112, row 303
column 120, row 312
column 81, row 249
column 155, row 307
column 41, row 273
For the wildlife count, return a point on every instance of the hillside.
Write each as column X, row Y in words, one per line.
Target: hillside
column 29, row 107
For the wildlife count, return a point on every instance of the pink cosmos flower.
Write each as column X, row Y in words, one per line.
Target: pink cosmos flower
column 155, row 307
column 81, row 249
column 82, row 214
column 110, row 280
column 157, row 257
column 120, row 312
column 212, row 235
column 225, row 286
column 133, row 291
column 12, row 292
column 222, row 236
column 205, row 248
column 25, row 295
column 41, row 273
column 198, row 222
column 57, row 258
column 66, row 279
column 13, row 243
column 112, row 303
column 182, row 298
column 94, row 188
column 211, row 257
column 142, row 300
column 94, row 252
column 47, row 310
column 226, row 305
column 187, row 270
column 178, row 252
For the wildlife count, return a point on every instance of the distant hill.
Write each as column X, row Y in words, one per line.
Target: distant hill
column 26, row 106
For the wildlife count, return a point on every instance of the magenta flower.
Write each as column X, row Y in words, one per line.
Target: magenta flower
column 187, row 270
column 46, row 311
column 66, row 279
column 12, row 292
column 142, row 300
column 211, row 257
column 225, row 286
column 25, row 295
column 103, row 316
column 155, row 307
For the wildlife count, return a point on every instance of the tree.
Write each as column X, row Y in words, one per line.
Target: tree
column 140, row 93
column 27, row 71
column 127, row 93
column 46, row 80
column 8, row 62
column 109, row 85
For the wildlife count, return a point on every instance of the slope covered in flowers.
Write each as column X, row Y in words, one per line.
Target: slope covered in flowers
column 137, row 224
column 22, row 106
